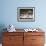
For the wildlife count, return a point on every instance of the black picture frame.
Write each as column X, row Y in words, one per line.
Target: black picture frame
column 26, row 14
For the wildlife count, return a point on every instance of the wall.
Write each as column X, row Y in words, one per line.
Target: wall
column 9, row 13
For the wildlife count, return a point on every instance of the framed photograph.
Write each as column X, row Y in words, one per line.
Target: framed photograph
column 26, row 14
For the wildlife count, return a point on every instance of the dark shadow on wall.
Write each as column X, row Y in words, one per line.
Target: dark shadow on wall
column 2, row 29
